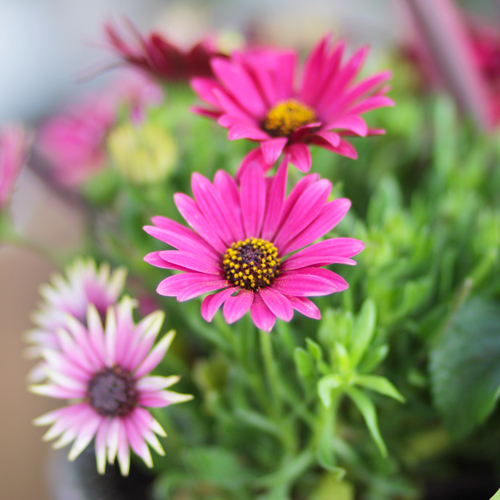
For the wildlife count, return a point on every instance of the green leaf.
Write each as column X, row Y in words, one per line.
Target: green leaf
column 315, row 350
column 325, row 460
column 496, row 496
column 465, row 366
column 373, row 358
column 367, row 409
column 363, row 332
column 381, row 385
column 325, row 387
column 331, row 488
column 304, row 364
column 216, row 466
column 343, row 358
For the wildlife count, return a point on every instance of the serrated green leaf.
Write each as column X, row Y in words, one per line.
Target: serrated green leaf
column 465, row 366
column 367, row 409
column 381, row 385
column 314, row 349
column 363, row 332
column 373, row 358
column 304, row 364
column 325, row 387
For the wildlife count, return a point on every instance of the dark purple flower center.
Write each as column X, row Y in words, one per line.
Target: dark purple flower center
column 251, row 264
column 286, row 117
column 112, row 392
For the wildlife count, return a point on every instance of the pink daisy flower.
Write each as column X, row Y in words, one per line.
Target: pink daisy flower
column 74, row 142
column 242, row 242
column 161, row 58
column 254, row 96
column 105, row 372
column 13, row 146
column 84, row 284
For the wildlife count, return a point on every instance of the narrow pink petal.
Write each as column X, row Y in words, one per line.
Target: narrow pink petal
column 274, row 201
column 253, row 199
column 137, row 441
column 369, row 104
column 255, row 155
column 113, row 437
column 100, row 445
column 332, row 251
column 96, row 332
column 312, row 68
column 303, row 285
column 212, row 303
column 232, row 108
column 154, row 357
column 262, row 317
column 155, row 259
column 204, row 87
column 353, row 123
column 294, row 195
column 198, row 289
column 230, row 195
column 306, row 209
column 191, row 261
column 123, row 450
column 212, row 207
column 208, row 113
column 337, row 281
column 236, row 307
column 246, row 131
column 343, row 149
column 300, row 156
column 56, row 391
column 241, row 86
column 331, row 214
column 284, row 74
column 85, row 435
column 195, row 218
column 305, row 307
column 178, row 236
column 272, row 148
column 177, row 284
column 277, row 303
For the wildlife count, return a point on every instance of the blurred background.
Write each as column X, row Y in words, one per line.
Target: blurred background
column 49, row 50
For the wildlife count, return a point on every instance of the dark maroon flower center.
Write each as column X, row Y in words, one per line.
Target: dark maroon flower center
column 251, row 264
column 286, row 117
column 112, row 392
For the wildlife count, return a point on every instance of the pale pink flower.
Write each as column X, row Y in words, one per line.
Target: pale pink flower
column 254, row 95
column 74, row 142
column 13, row 150
column 105, row 373
column 243, row 240
column 84, row 284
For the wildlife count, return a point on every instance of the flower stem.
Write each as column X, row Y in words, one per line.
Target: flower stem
column 271, row 370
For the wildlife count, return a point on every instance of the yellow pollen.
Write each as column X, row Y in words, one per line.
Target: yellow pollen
column 287, row 116
column 258, row 260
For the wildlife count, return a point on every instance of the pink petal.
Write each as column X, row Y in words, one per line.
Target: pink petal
column 302, row 285
column 195, row 218
column 331, row 214
column 308, row 206
column 191, row 261
column 253, row 156
column 300, row 156
column 212, row 207
column 331, row 138
column 177, row 285
column 212, row 303
column 312, row 71
column 154, row 357
column 274, row 201
column 246, row 131
column 178, row 236
column 343, row 149
column 204, row 87
column 236, row 307
column 277, row 303
column 370, row 103
column 123, row 450
column 272, row 148
column 352, row 123
column 333, row 251
column 198, row 110
column 338, row 282
column 154, row 259
column 262, row 317
column 241, row 86
column 232, row 109
column 253, row 199
column 284, row 74
column 230, row 195
column 137, row 441
column 305, row 307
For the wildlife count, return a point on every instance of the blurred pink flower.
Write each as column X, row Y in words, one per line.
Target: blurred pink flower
column 161, row 58
column 105, row 371
column 242, row 242
column 254, row 96
column 13, row 150
column 74, row 142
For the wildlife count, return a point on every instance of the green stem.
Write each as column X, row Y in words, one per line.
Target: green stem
column 271, row 371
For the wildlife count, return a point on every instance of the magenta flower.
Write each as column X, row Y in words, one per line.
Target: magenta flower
column 161, row 58
column 74, row 142
column 105, row 372
column 13, row 148
column 83, row 285
column 254, row 96
column 241, row 243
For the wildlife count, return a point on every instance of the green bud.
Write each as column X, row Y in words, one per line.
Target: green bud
column 145, row 154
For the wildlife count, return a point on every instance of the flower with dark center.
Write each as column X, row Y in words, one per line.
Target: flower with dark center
column 254, row 95
column 105, row 371
column 242, row 242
